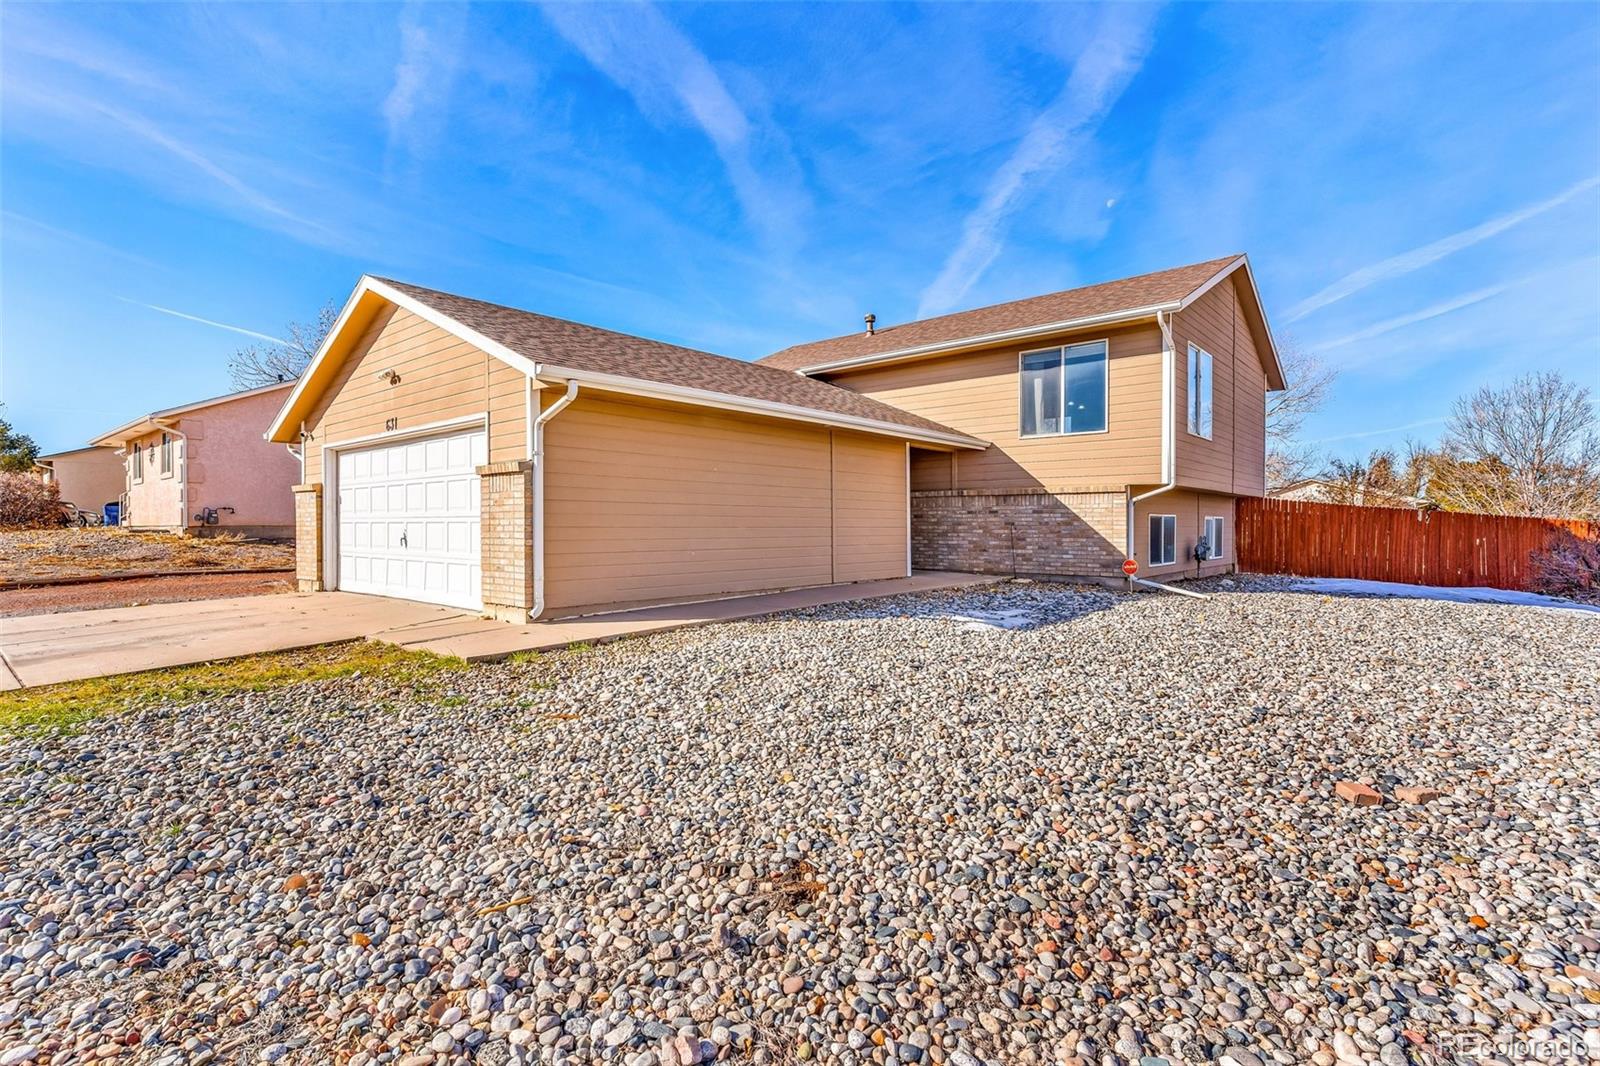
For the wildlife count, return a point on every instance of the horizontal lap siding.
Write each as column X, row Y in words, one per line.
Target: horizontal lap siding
column 978, row 393
column 1234, row 459
column 647, row 502
column 441, row 378
column 869, row 508
column 1191, row 509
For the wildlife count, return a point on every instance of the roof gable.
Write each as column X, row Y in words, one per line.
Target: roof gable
column 1120, row 300
column 547, row 347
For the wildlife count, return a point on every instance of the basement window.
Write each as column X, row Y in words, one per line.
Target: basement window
column 1063, row 390
column 1200, row 392
column 1214, row 537
column 1163, row 539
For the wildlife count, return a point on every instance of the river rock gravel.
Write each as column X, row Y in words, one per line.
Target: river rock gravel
column 1015, row 824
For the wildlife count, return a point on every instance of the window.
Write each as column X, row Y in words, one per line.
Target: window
column 1199, row 392
column 1064, row 390
column 1214, row 537
column 1163, row 539
column 166, row 455
column 138, row 463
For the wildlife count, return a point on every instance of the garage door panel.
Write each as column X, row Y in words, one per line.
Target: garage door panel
column 408, row 523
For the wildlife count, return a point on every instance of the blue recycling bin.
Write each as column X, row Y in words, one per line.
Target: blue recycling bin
column 112, row 513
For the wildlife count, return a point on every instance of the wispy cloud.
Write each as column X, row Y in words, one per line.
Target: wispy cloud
column 1445, row 307
column 1107, row 64
column 659, row 66
column 1417, row 258
column 203, row 321
column 424, row 75
column 45, row 232
column 1386, row 430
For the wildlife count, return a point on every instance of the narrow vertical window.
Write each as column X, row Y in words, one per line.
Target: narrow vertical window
column 138, row 463
column 166, row 454
column 1041, row 393
column 1199, row 392
column 1163, row 539
column 1214, row 537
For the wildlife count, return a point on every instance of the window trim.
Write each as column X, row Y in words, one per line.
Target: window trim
column 1105, row 343
column 1150, row 548
column 1213, row 551
column 1192, row 419
column 167, row 450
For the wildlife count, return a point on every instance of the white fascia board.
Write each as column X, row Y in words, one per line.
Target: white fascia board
column 1242, row 261
column 747, row 405
column 370, row 284
column 984, row 340
column 163, row 419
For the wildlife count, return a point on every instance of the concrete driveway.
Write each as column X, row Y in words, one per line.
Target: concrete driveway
column 43, row 649
column 48, row 648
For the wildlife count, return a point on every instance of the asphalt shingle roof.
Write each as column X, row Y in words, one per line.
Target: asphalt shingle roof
column 1126, row 294
column 576, row 346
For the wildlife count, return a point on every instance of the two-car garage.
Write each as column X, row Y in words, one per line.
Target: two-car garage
column 490, row 459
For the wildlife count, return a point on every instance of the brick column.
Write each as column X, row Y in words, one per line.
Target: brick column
column 308, row 538
column 506, row 515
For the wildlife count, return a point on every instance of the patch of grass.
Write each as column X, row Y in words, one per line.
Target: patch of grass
column 579, row 647
column 53, row 708
column 524, row 657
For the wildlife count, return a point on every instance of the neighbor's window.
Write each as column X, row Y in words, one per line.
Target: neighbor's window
column 1064, row 390
column 1199, row 392
column 1163, row 539
column 166, row 454
column 1214, row 537
column 138, row 463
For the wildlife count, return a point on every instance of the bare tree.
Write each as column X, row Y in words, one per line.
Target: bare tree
column 266, row 364
column 1307, row 383
column 1531, row 448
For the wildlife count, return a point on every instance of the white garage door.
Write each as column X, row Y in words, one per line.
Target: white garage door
column 408, row 519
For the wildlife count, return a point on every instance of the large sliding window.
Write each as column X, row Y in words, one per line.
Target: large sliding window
column 1064, row 390
column 1199, row 392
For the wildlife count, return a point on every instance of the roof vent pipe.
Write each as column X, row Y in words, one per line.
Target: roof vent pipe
column 872, row 324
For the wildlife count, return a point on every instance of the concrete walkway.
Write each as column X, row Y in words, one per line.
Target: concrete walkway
column 42, row 649
column 479, row 640
column 45, row 649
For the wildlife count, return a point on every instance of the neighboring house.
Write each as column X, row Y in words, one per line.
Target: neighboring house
column 465, row 453
column 1123, row 420
column 89, row 478
column 206, row 467
column 1319, row 490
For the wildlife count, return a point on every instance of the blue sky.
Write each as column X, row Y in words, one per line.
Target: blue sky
column 1418, row 186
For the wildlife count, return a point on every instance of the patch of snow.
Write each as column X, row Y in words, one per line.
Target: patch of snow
column 981, row 621
column 1349, row 586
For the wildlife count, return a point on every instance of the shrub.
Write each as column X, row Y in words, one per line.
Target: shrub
column 27, row 504
column 1569, row 567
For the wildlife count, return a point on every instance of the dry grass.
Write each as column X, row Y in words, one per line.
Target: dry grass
column 64, row 553
column 61, row 707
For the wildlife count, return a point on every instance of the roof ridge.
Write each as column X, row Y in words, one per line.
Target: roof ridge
column 1219, row 263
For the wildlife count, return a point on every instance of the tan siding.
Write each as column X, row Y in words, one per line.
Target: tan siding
column 977, row 393
column 441, row 378
column 869, row 507
column 1191, row 510
column 931, row 470
column 652, row 501
column 1233, row 460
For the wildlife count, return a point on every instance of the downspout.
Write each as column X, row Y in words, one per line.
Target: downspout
column 535, row 440
column 1169, row 470
column 299, row 452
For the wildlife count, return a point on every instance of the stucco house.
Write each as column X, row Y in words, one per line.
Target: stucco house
column 89, row 478
column 206, row 467
column 476, row 455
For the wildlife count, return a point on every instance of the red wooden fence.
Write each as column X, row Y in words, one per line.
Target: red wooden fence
column 1392, row 544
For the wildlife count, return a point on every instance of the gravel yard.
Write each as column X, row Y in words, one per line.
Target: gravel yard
column 64, row 553
column 130, row 592
column 894, row 832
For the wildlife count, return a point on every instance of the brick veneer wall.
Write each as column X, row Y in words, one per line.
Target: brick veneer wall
column 1029, row 533
column 308, row 538
column 506, row 514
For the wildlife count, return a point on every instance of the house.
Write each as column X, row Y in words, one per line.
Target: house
column 206, row 467
column 1321, row 490
column 89, row 478
column 465, row 453
column 1122, row 419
